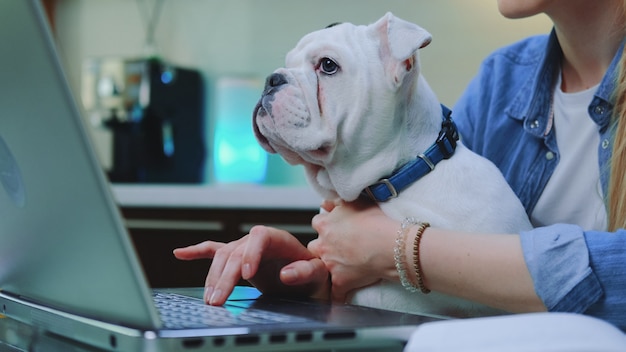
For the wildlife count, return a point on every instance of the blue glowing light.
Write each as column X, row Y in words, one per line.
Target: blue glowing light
column 167, row 76
column 168, row 139
column 237, row 155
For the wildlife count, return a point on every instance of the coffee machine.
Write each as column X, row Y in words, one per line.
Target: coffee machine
column 155, row 114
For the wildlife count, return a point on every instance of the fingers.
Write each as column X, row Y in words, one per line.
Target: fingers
column 258, row 243
column 309, row 277
column 224, row 273
column 303, row 272
column 204, row 250
column 338, row 289
column 268, row 243
column 338, row 292
column 219, row 252
column 330, row 204
column 319, row 223
column 242, row 259
column 314, row 247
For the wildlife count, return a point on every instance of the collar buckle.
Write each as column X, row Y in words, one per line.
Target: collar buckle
column 393, row 193
column 446, row 141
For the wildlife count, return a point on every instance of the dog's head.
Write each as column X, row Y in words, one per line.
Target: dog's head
column 342, row 105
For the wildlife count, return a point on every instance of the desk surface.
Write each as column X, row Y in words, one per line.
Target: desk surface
column 217, row 196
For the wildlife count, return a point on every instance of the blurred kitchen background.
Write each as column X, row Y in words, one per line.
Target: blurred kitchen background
column 169, row 86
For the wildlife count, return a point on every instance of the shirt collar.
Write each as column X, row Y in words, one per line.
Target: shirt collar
column 532, row 103
column 534, row 109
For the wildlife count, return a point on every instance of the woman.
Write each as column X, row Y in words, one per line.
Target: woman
column 516, row 113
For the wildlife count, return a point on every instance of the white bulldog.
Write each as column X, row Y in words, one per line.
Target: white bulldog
column 352, row 106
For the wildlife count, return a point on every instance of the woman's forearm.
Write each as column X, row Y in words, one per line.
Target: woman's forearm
column 488, row 269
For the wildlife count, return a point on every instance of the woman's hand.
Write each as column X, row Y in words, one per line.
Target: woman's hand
column 272, row 260
column 355, row 242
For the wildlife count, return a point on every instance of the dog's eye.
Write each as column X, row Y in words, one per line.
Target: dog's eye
column 328, row 66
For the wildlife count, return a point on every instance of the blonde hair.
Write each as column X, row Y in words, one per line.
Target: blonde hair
column 616, row 205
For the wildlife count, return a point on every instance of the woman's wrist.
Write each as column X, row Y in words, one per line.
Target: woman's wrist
column 399, row 254
column 407, row 255
column 417, row 265
column 485, row 268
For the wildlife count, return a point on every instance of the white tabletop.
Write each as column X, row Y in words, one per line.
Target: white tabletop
column 217, row 196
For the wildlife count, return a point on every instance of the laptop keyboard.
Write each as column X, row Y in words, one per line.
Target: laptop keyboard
column 181, row 312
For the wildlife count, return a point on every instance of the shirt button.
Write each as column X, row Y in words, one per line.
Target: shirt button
column 549, row 155
column 605, row 144
column 599, row 110
column 534, row 124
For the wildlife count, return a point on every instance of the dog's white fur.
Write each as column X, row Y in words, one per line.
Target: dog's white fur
column 352, row 126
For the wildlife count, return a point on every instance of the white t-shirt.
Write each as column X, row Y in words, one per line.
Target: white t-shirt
column 573, row 195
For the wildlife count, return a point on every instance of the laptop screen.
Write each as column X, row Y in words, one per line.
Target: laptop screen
column 61, row 238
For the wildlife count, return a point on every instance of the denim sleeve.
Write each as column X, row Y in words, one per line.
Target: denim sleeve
column 607, row 253
column 558, row 261
column 579, row 272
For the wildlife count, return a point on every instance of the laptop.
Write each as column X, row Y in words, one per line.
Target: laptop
column 67, row 264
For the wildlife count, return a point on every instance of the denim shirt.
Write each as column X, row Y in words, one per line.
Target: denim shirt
column 504, row 115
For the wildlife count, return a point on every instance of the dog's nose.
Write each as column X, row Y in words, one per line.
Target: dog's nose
column 274, row 80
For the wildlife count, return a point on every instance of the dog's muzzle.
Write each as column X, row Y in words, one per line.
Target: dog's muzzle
column 273, row 83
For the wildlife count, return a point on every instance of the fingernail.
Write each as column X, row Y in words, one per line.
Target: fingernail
column 245, row 271
column 216, row 296
column 288, row 275
column 207, row 293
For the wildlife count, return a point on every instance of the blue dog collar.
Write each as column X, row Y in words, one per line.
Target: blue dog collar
column 443, row 148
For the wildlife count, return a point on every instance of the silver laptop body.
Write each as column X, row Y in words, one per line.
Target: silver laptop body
column 67, row 265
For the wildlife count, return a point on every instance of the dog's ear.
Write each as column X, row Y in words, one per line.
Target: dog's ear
column 400, row 40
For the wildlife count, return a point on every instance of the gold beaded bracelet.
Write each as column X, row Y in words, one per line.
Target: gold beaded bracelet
column 416, row 257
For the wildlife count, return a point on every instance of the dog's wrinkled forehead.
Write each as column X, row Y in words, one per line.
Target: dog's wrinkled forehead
column 397, row 39
column 329, row 39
